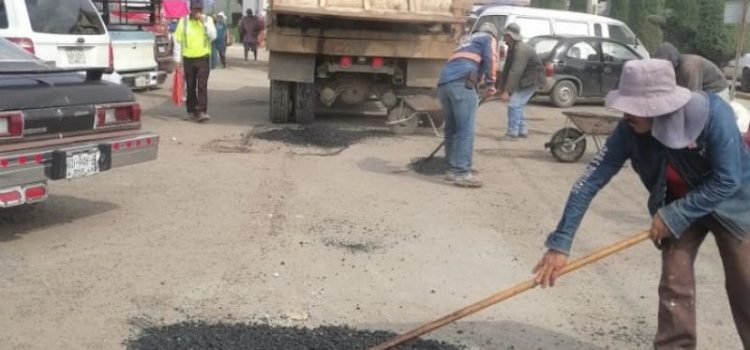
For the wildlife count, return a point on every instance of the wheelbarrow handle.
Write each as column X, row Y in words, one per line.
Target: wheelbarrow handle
column 511, row 292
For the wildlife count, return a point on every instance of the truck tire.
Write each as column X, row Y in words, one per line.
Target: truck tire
column 564, row 94
column 407, row 127
column 304, row 103
column 281, row 102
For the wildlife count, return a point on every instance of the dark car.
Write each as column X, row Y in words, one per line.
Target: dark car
column 580, row 66
column 61, row 124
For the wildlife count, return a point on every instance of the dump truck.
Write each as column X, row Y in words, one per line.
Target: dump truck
column 328, row 53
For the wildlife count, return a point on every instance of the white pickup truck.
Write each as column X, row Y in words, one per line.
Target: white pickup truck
column 134, row 63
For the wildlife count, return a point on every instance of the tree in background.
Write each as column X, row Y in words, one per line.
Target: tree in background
column 619, row 9
column 712, row 39
column 651, row 25
column 578, row 5
column 550, row 4
column 682, row 18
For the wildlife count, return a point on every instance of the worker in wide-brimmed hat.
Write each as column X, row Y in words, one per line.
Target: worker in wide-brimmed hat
column 688, row 152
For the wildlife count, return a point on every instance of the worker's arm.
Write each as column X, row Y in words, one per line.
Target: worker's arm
column 210, row 28
column 606, row 164
column 723, row 150
column 489, row 63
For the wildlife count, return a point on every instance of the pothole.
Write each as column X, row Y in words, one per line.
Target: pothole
column 226, row 336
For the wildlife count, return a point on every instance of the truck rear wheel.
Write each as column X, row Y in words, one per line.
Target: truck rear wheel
column 281, row 102
column 304, row 103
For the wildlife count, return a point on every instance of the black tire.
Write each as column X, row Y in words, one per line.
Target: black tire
column 564, row 146
column 564, row 94
column 405, row 128
column 304, row 103
column 745, row 80
column 281, row 102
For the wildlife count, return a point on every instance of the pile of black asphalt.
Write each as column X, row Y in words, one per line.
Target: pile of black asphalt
column 243, row 336
column 319, row 135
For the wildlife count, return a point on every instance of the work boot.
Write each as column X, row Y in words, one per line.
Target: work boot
column 203, row 117
column 190, row 116
column 450, row 176
column 508, row 137
column 468, row 181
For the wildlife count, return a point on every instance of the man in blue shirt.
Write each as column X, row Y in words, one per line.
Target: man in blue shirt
column 687, row 150
column 457, row 90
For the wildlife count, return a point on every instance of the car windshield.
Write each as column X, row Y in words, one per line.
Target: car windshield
column 543, row 46
column 64, row 17
column 15, row 59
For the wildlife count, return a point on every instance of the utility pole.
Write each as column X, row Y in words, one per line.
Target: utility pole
column 740, row 47
column 591, row 6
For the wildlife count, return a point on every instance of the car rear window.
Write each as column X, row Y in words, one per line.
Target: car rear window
column 543, row 46
column 498, row 21
column 64, row 17
column 3, row 15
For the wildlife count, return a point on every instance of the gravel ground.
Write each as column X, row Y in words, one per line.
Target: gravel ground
column 319, row 135
column 434, row 166
column 199, row 335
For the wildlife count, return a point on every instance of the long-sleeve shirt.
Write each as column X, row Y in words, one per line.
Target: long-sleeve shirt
column 195, row 37
column 474, row 58
column 697, row 73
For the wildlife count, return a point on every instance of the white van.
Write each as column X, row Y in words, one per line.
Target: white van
column 65, row 33
column 536, row 22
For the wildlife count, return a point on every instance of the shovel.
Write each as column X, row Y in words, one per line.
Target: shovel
column 442, row 143
column 510, row 292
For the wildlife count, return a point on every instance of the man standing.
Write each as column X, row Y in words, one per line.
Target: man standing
column 194, row 34
column 694, row 72
column 522, row 74
column 219, row 45
column 687, row 151
column 457, row 90
column 250, row 27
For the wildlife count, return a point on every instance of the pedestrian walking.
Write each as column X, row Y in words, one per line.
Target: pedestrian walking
column 457, row 91
column 689, row 154
column 194, row 34
column 250, row 27
column 694, row 72
column 522, row 74
column 219, row 45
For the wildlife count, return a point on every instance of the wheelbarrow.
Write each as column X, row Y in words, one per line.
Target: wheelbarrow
column 569, row 143
column 413, row 111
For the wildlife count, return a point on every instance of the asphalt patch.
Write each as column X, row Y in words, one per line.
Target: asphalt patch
column 434, row 166
column 319, row 135
column 199, row 335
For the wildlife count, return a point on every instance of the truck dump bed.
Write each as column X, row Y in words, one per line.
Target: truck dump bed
column 413, row 11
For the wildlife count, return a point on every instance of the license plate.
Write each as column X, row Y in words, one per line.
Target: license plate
column 141, row 81
column 76, row 56
column 81, row 164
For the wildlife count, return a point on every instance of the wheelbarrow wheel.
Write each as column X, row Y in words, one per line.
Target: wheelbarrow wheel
column 408, row 126
column 568, row 145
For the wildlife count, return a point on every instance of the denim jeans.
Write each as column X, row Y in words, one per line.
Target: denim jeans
column 516, row 119
column 459, row 105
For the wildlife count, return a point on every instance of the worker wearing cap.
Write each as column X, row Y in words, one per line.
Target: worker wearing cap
column 522, row 74
column 689, row 154
column 194, row 34
column 472, row 61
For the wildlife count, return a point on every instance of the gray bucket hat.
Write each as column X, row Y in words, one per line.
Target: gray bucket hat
column 648, row 90
column 488, row 27
column 514, row 31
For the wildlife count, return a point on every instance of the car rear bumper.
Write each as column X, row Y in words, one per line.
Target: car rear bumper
column 139, row 80
column 20, row 168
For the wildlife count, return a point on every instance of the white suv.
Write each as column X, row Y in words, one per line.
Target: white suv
column 65, row 33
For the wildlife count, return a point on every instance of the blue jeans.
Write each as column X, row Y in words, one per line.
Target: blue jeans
column 459, row 105
column 516, row 119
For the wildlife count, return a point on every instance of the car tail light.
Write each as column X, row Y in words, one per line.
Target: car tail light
column 10, row 197
column 549, row 69
column 35, row 193
column 346, row 62
column 11, row 124
column 25, row 43
column 377, row 62
column 118, row 114
column 111, row 58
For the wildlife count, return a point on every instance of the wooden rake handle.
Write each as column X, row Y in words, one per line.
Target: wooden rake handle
column 510, row 292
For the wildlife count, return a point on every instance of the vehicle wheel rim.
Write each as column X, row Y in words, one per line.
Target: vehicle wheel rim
column 568, row 146
column 565, row 94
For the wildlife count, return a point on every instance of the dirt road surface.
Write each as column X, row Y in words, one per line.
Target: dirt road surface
column 227, row 227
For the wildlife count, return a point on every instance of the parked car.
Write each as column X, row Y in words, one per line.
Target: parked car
column 743, row 76
column 580, row 66
column 56, row 123
column 537, row 22
column 64, row 33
